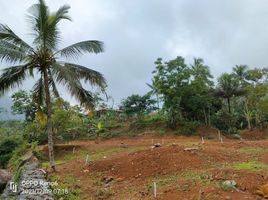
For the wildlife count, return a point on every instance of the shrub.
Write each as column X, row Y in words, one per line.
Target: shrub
column 226, row 122
column 35, row 132
column 7, row 146
column 188, row 129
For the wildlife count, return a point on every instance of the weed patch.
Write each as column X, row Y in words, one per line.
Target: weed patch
column 253, row 151
column 69, row 186
column 252, row 166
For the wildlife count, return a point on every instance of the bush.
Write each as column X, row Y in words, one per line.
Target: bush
column 7, row 146
column 35, row 132
column 226, row 122
column 17, row 159
column 188, row 129
column 4, row 160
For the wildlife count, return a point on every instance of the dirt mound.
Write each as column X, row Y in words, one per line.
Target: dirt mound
column 254, row 134
column 154, row 162
column 161, row 161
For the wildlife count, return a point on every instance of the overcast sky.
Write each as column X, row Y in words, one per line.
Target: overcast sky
column 136, row 32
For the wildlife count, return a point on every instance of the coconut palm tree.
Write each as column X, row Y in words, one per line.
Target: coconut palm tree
column 154, row 92
column 228, row 87
column 241, row 72
column 42, row 59
column 201, row 72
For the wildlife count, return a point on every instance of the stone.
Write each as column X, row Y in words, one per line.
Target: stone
column 5, row 176
column 157, row 145
column 229, row 184
column 191, row 149
column 107, row 180
column 122, row 145
column 236, row 136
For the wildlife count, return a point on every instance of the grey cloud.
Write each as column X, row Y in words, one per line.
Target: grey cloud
column 224, row 33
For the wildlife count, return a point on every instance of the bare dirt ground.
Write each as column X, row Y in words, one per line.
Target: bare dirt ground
column 126, row 168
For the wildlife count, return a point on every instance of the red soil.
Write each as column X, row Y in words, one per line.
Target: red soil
column 134, row 171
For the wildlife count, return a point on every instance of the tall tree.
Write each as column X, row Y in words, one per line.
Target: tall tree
column 135, row 104
column 41, row 58
column 153, row 92
column 241, row 72
column 200, row 91
column 228, row 87
column 171, row 80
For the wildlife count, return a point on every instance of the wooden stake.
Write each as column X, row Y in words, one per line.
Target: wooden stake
column 86, row 160
column 200, row 195
column 219, row 135
column 221, row 140
column 154, row 189
column 202, row 139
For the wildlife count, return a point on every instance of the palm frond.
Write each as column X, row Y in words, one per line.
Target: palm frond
column 78, row 49
column 88, row 75
column 38, row 14
column 69, row 79
column 60, row 14
column 53, row 33
column 45, row 24
column 53, row 85
column 12, row 77
column 38, row 92
column 6, row 34
column 11, row 54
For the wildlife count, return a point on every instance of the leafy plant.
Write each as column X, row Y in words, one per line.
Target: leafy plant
column 136, row 104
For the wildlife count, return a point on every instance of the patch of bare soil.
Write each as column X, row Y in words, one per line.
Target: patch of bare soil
column 152, row 162
column 128, row 174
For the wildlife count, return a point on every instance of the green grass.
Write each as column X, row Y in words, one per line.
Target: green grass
column 69, row 184
column 253, row 151
column 201, row 177
column 104, row 193
column 94, row 155
column 101, row 153
column 165, row 180
column 251, row 166
column 57, row 162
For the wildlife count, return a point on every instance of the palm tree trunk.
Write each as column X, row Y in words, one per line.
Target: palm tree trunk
column 229, row 105
column 157, row 99
column 248, row 117
column 205, row 116
column 49, row 122
column 209, row 120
